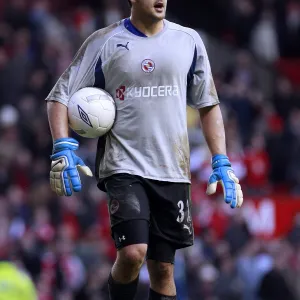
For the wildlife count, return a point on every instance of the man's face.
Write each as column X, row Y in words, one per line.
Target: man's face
column 155, row 9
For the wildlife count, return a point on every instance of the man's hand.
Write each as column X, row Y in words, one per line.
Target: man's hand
column 64, row 177
column 222, row 172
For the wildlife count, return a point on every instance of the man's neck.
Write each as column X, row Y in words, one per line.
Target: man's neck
column 148, row 28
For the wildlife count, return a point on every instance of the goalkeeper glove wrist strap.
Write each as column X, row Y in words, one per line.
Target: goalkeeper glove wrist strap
column 65, row 144
column 220, row 160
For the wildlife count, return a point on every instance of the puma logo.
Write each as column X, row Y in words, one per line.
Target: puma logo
column 123, row 46
column 187, row 228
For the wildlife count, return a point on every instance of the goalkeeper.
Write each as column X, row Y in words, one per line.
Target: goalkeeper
column 14, row 284
column 153, row 68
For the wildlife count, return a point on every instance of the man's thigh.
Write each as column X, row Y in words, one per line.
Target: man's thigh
column 171, row 226
column 129, row 211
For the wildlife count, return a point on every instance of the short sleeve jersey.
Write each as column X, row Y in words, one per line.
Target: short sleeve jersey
column 151, row 79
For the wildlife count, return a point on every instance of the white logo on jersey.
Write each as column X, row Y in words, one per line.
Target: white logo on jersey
column 147, row 92
column 153, row 91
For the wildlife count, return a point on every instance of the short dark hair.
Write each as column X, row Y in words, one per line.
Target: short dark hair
column 130, row 4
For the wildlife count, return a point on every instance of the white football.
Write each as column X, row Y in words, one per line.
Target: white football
column 91, row 112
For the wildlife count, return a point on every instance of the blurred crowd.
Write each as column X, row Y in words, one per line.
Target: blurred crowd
column 270, row 28
column 64, row 243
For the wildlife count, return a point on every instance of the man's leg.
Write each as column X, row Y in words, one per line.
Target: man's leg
column 161, row 280
column 123, row 279
column 129, row 217
column 160, row 263
column 171, row 229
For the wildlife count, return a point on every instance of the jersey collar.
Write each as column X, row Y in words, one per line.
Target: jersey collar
column 130, row 27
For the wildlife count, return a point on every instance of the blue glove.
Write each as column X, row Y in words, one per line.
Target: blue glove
column 222, row 172
column 64, row 177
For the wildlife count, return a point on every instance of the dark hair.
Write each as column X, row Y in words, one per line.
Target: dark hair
column 129, row 3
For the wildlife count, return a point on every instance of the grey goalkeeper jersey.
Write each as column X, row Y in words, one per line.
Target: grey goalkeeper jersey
column 151, row 79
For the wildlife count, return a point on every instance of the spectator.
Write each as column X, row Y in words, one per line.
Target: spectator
column 252, row 264
column 264, row 38
column 237, row 234
column 258, row 166
column 228, row 285
column 294, row 235
column 293, row 137
column 273, row 285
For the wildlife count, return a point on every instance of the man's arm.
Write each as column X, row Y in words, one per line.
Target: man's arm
column 80, row 74
column 213, row 129
column 64, row 177
column 58, row 120
column 214, row 132
column 203, row 96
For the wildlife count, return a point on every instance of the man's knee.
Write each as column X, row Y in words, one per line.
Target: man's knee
column 133, row 256
column 160, row 272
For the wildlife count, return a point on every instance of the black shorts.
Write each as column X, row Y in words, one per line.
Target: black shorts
column 149, row 211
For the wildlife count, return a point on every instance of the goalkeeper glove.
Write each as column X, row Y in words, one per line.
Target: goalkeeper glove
column 64, row 177
column 222, row 172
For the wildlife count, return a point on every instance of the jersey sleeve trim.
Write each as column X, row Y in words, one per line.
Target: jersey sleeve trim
column 205, row 104
column 99, row 75
column 86, row 68
column 187, row 33
column 192, row 68
column 101, row 51
column 99, row 79
column 55, row 99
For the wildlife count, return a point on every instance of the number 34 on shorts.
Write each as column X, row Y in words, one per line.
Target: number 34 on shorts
column 184, row 216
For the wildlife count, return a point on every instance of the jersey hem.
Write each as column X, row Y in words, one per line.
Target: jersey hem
column 57, row 100
column 175, row 180
column 206, row 104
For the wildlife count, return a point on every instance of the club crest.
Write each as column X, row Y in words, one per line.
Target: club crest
column 148, row 66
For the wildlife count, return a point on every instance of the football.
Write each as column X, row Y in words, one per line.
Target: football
column 91, row 112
